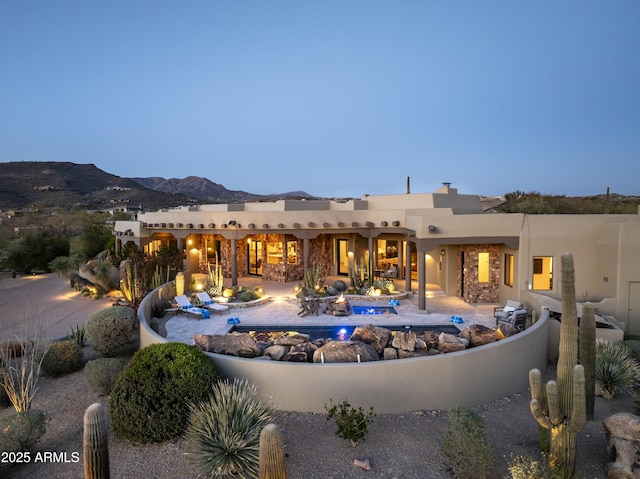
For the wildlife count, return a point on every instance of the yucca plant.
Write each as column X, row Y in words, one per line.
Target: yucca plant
column 78, row 335
column 634, row 347
column 616, row 368
column 224, row 432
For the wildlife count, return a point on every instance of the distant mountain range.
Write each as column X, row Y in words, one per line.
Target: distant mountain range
column 42, row 185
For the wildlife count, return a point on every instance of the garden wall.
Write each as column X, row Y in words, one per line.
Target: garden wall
column 465, row 378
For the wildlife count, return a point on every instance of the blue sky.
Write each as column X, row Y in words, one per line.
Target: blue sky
column 336, row 98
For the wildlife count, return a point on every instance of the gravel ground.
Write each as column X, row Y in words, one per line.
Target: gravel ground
column 398, row 445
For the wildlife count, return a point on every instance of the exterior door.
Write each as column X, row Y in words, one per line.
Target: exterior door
column 343, row 256
column 255, row 257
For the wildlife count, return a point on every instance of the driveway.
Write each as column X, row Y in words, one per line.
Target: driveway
column 47, row 299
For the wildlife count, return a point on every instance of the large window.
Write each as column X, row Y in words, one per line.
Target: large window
column 483, row 267
column 542, row 273
column 274, row 252
column 508, row 269
column 292, row 252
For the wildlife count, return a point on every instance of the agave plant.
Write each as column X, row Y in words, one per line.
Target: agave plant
column 616, row 368
column 224, row 432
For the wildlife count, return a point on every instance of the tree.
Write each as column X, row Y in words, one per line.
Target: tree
column 96, row 237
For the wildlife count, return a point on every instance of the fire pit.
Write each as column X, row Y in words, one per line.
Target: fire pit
column 339, row 307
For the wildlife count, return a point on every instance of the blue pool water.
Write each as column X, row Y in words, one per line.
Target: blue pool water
column 340, row 333
column 374, row 310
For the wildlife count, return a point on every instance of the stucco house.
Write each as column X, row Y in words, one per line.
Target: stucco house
column 442, row 238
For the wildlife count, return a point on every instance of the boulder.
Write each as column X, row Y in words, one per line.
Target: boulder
column 403, row 354
column 448, row 343
column 404, row 340
column 479, row 335
column 345, row 352
column 374, row 335
column 296, row 357
column 292, row 340
column 390, row 353
column 306, row 349
column 276, row 352
column 622, row 431
column 233, row 344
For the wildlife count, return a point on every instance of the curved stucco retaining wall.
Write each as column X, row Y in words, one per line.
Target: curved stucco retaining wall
column 465, row 378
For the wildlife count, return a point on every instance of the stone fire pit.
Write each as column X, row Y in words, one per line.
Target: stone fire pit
column 338, row 307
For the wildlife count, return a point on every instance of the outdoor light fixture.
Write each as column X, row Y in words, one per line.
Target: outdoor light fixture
column 432, row 229
column 442, row 253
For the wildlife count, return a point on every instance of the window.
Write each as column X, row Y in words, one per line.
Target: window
column 508, row 269
column 483, row 267
column 274, row 252
column 542, row 273
column 292, row 252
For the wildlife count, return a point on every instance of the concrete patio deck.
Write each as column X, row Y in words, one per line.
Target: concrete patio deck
column 283, row 308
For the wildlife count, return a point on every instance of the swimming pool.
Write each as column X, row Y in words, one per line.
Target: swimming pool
column 340, row 333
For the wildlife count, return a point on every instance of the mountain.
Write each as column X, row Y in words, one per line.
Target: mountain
column 203, row 189
column 42, row 185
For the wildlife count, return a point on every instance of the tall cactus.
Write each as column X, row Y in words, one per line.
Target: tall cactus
column 271, row 458
column 95, row 443
column 587, row 355
column 563, row 412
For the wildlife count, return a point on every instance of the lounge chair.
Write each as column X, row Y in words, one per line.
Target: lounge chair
column 210, row 304
column 511, row 314
column 185, row 305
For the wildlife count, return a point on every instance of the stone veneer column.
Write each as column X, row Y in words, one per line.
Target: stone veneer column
column 422, row 280
column 305, row 253
column 407, row 266
column 234, row 262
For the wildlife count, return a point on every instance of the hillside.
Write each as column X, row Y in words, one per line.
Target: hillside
column 43, row 185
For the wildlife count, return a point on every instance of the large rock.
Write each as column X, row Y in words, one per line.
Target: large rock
column 479, row 335
column 233, row 344
column 292, row 340
column 345, row 352
column 403, row 354
column 301, row 353
column 374, row 335
column 622, row 431
column 276, row 352
column 448, row 343
column 405, row 340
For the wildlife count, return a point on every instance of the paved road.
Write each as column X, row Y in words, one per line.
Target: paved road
column 44, row 298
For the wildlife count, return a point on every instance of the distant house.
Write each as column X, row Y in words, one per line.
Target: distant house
column 444, row 238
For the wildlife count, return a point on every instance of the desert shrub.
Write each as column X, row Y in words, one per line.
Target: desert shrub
column 351, row 423
column 465, row 445
column 224, row 432
column 78, row 335
column 158, row 310
column 149, row 402
column 616, row 368
column 340, row 286
column 523, row 467
column 634, row 347
column 4, row 398
column 109, row 329
column 246, row 296
column 63, row 357
column 102, row 374
column 21, row 431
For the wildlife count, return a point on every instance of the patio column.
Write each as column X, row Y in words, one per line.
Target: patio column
column 305, row 253
column 234, row 262
column 185, row 260
column 407, row 266
column 371, row 263
column 422, row 277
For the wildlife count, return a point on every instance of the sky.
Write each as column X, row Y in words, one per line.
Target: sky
column 338, row 98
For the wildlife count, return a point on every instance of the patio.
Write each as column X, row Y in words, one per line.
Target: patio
column 283, row 308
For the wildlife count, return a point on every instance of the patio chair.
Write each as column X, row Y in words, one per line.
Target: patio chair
column 185, row 305
column 391, row 273
column 309, row 304
column 210, row 304
column 512, row 314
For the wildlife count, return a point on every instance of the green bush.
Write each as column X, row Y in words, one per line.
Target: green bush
column 616, row 368
column 150, row 400
column 224, row 433
column 465, row 445
column 352, row 423
column 62, row 358
column 109, row 329
column 522, row 467
column 102, row 374
column 340, row 286
column 21, row 431
column 246, row 296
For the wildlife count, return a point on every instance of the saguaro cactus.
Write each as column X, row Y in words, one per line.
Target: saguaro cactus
column 271, row 458
column 563, row 412
column 95, row 443
column 587, row 356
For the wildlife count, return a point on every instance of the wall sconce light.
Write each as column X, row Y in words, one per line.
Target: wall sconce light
column 189, row 242
column 232, row 222
column 442, row 252
column 432, row 229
